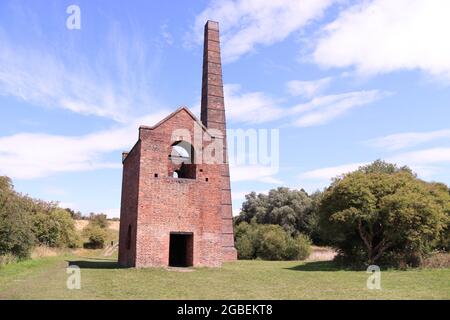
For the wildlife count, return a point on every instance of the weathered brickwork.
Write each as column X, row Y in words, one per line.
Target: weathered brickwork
column 156, row 204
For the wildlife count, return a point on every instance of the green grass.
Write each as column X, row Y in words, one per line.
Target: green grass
column 101, row 279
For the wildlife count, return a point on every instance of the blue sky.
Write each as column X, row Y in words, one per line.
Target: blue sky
column 344, row 82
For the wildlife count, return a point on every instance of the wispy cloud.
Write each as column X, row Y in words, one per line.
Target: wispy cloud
column 34, row 155
column 259, row 173
column 250, row 107
column 381, row 36
column 257, row 107
column 329, row 172
column 103, row 84
column 245, row 24
column 427, row 163
column 423, row 157
column 307, row 89
column 408, row 139
column 323, row 109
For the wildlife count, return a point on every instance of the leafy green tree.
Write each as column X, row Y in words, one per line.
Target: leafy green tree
column 383, row 213
column 16, row 236
column 291, row 209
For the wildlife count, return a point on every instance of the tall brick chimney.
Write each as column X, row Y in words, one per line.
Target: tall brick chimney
column 213, row 117
column 213, row 108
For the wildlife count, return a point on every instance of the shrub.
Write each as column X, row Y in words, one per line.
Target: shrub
column 273, row 243
column 54, row 227
column 298, row 248
column 269, row 242
column 95, row 235
column 246, row 240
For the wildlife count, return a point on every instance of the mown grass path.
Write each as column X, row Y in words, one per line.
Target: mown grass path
column 101, row 278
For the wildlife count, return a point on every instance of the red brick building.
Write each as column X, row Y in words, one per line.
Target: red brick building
column 176, row 199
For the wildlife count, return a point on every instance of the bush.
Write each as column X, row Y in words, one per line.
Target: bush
column 273, row 243
column 269, row 242
column 55, row 228
column 95, row 235
column 299, row 248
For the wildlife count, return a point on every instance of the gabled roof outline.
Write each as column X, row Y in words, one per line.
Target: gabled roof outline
column 167, row 118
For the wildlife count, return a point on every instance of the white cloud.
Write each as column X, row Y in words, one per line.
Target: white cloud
column 408, row 139
column 258, row 173
column 423, row 157
column 431, row 164
column 245, row 24
column 107, row 85
column 330, row 172
column 250, row 107
column 33, row 155
column 381, row 36
column 323, row 109
column 307, row 89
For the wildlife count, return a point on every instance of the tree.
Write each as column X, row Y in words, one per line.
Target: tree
column 16, row 236
column 291, row 209
column 384, row 212
column 76, row 215
column 100, row 220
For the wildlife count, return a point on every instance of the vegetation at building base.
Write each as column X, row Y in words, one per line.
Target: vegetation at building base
column 378, row 214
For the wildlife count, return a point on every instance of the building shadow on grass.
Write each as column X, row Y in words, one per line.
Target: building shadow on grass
column 95, row 264
column 317, row 266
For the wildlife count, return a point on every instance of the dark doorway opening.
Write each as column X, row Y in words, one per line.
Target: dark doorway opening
column 181, row 249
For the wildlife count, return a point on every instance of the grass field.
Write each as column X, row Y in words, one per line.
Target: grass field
column 45, row 278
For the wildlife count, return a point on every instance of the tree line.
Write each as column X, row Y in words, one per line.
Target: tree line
column 379, row 214
column 26, row 222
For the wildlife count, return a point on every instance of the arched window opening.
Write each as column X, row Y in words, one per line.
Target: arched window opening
column 182, row 163
column 128, row 242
